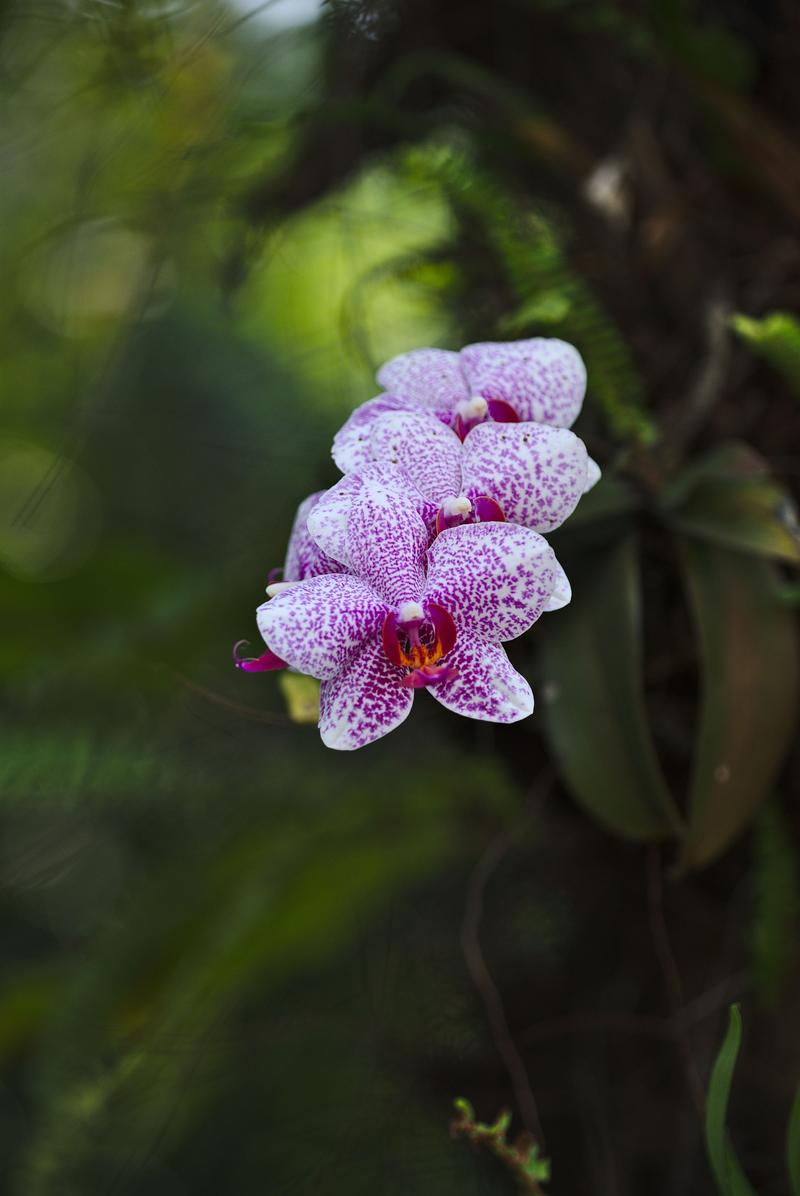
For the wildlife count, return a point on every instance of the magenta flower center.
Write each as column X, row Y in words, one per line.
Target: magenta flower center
column 417, row 636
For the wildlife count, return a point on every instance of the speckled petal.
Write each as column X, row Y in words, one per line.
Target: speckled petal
column 593, row 474
column 424, row 447
column 427, row 378
column 536, row 472
column 543, row 379
column 327, row 522
column 304, row 557
column 351, row 443
column 386, row 541
column 487, row 686
column 364, row 702
column 318, row 626
column 494, row 578
column 562, row 592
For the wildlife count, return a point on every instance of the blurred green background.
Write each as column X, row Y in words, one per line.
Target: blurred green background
column 236, row 962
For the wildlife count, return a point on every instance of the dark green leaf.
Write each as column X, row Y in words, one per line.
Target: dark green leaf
column 729, row 499
column 755, row 517
column 592, row 672
column 731, row 1180
column 748, row 710
column 732, row 461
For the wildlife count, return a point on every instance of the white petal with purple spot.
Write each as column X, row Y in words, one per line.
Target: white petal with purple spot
column 351, row 443
column 486, row 686
column 593, row 474
column 543, row 379
column 495, row 579
column 562, row 592
column 364, row 702
column 536, row 472
column 430, row 379
column 327, row 522
column 386, row 541
column 317, row 626
column 424, row 447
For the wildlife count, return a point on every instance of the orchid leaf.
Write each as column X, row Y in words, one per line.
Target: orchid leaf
column 754, row 517
column 731, row 1180
column 729, row 499
column 731, row 461
column 748, row 709
column 793, row 1145
column 777, row 338
column 596, row 717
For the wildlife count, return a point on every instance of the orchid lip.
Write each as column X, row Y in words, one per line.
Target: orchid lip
column 428, row 675
column 487, row 509
column 502, row 412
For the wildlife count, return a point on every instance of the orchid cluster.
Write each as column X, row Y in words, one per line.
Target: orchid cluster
column 415, row 568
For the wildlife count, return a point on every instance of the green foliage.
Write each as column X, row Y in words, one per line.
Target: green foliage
column 548, row 295
column 729, row 499
column 232, row 959
column 522, row 1158
column 728, row 1174
column 592, row 681
column 748, row 710
column 777, row 337
column 730, row 1179
column 729, row 521
column 238, row 923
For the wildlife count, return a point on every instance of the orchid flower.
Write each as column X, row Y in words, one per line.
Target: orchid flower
column 541, row 380
column 304, row 558
column 408, row 616
column 328, row 521
column 528, row 473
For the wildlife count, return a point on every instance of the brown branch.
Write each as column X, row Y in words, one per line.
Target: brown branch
column 671, row 974
column 270, row 717
column 488, row 990
column 708, row 386
column 708, row 1004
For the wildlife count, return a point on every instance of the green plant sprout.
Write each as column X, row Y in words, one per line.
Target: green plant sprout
column 522, row 1158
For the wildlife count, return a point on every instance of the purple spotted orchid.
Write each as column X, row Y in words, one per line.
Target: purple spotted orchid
column 409, row 615
column 413, row 570
column 540, row 380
